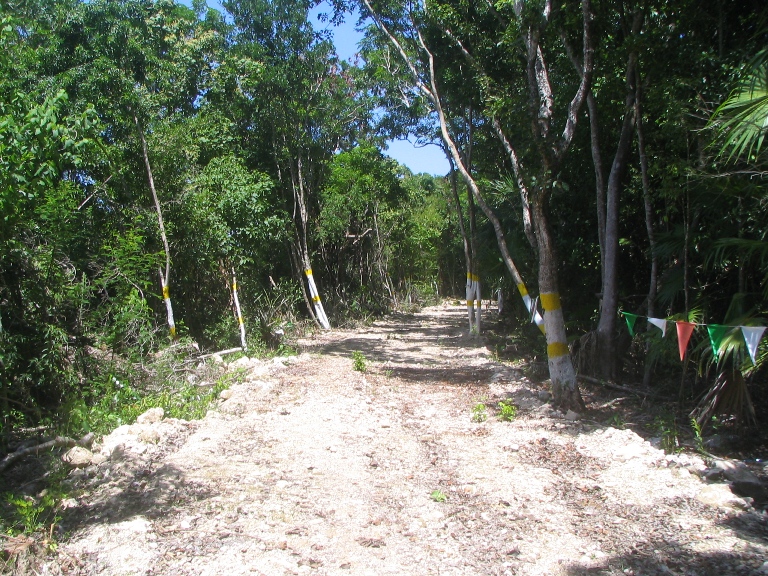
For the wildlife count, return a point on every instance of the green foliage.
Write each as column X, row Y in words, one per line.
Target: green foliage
column 507, row 410
column 358, row 361
column 665, row 427
column 697, row 437
column 27, row 515
column 275, row 313
column 112, row 400
column 741, row 121
column 438, row 496
column 616, row 421
column 479, row 412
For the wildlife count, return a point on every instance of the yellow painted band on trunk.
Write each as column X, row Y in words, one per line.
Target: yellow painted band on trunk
column 316, row 299
column 473, row 277
column 240, row 320
column 308, row 272
column 470, row 303
column 543, row 329
column 166, row 292
column 173, row 331
column 557, row 349
column 234, row 286
column 550, row 301
column 522, row 289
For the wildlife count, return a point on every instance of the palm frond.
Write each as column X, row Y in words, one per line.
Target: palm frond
column 747, row 250
column 741, row 121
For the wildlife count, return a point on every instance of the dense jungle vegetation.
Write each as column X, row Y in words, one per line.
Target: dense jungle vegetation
column 151, row 151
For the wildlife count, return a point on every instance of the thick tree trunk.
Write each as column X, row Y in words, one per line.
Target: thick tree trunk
column 565, row 388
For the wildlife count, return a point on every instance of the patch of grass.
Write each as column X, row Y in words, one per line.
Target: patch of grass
column 507, row 410
column 479, row 412
column 438, row 496
column 359, row 363
column 115, row 402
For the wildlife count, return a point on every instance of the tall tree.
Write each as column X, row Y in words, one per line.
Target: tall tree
column 405, row 30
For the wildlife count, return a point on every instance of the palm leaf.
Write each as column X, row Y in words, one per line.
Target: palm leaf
column 741, row 121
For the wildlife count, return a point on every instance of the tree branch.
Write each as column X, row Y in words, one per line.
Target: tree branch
column 58, row 442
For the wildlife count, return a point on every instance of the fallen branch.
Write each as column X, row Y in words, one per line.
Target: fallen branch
column 222, row 353
column 58, row 442
column 613, row 386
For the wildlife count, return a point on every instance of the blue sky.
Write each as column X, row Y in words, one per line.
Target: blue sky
column 430, row 159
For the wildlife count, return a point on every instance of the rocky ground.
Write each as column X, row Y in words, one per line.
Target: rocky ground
column 311, row 467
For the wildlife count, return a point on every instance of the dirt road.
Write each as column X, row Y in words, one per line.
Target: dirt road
column 311, row 467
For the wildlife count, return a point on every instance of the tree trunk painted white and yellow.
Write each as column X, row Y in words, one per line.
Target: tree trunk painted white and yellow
column 164, row 278
column 168, row 306
column 240, row 321
column 316, row 301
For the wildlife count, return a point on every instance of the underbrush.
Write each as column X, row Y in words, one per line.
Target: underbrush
column 32, row 489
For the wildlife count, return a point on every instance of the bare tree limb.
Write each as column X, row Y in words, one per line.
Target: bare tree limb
column 58, row 442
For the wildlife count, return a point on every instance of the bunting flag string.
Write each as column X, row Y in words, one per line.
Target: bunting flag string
column 716, row 332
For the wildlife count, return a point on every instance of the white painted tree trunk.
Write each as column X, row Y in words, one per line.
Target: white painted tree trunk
column 168, row 305
column 240, row 322
column 474, row 303
column 316, row 302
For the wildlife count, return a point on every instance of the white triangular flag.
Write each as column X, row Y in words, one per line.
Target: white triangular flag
column 752, row 335
column 661, row 324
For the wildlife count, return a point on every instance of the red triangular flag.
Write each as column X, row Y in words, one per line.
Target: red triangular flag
column 684, row 331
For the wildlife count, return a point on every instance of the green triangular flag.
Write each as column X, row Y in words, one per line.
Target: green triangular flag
column 716, row 335
column 630, row 318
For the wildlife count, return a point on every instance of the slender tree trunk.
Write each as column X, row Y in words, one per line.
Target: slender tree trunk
column 652, row 285
column 297, row 266
column 300, row 207
column 597, row 160
column 473, row 274
column 164, row 278
column 236, row 301
column 606, row 329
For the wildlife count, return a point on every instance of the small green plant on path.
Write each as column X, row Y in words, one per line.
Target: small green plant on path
column 438, row 496
column 479, row 413
column 507, row 410
column 667, row 430
column 616, row 421
column 697, row 437
column 359, row 361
